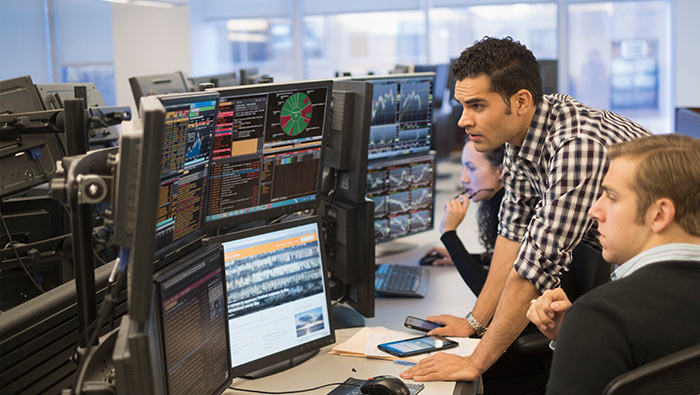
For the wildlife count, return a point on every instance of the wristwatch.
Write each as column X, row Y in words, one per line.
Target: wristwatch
column 478, row 328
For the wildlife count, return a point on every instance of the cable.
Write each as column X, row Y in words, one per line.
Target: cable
column 294, row 391
column 116, row 278
column 19, row 259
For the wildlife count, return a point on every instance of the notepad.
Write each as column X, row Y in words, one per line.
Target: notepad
column 364, row 344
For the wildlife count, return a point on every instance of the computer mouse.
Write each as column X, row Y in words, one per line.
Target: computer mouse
column 430, row 259
column 385, row 385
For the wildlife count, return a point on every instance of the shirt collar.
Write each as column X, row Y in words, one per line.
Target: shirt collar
column 536, row 135
column 666, row 252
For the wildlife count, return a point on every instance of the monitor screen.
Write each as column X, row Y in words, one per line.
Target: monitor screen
column 441, row 76
column 401, row 114
column 191, row 299
column 278, row 304
column 266, row 154
column 403, row 193
column 184, row 166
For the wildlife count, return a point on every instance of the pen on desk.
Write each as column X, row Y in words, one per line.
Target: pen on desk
column 400, row 362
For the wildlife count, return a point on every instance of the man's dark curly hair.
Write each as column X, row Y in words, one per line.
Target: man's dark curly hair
column 508, row 63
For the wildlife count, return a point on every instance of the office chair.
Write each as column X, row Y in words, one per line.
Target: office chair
column 530, row 355
column 674, row 374
column 587, row 271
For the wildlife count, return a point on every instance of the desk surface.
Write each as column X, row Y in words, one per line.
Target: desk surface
column 447, row 294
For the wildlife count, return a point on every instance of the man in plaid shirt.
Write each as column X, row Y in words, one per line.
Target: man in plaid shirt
column 553, row 168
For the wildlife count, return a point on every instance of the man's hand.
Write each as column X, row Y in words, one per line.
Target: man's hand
column 442, row 366
column 547, row 311
column 455, row 210
column 441, row 251
column 453, row 326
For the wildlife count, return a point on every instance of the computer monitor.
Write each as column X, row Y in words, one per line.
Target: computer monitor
column 278, row 304
column 688, row 121
column 347, row 215
column 186, row 148
column 29, row 159
column 442, row 72
column 401, row 114
column 403, row 191
column 157, row 84
column 219, row 80
column 550, row 75
column 345, row 161
column 193, row 331
column 249, row 76
column 53, row 96
column 267, row 151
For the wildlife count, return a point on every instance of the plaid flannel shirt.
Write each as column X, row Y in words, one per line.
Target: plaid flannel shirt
column 553, row 179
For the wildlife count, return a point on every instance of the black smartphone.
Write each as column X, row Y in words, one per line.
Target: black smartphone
column 417, row 345
column 420, row 324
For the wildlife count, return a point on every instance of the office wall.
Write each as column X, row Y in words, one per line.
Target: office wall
column 148, row 41
column 687, row 55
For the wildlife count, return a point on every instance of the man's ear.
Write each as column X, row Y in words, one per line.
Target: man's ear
column 523, row 101
column 662, row 213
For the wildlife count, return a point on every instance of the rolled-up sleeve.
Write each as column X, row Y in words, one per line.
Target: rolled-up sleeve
column 560, row 220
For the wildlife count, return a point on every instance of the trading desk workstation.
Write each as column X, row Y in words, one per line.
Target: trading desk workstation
column 246, row 220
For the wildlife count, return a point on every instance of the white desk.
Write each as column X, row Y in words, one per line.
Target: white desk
column 447, row 294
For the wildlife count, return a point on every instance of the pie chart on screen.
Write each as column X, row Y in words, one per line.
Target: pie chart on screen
column 296, row 114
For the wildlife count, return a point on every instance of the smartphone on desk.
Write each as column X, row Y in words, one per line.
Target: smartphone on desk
column 417, row 345
column 420, row 324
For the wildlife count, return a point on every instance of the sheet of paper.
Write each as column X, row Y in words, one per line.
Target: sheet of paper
column 364, row 344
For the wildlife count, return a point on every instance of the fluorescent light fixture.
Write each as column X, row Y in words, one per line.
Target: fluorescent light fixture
column 246, row 37
column 149, row 3
column 247, row 25
column 117, row 1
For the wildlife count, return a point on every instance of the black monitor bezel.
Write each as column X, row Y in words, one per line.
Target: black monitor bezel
column 409, row 159
column 15, row 148
column 403, row 76
column 168, row 272
column 187, row 243
column 295, row 351
column 174, row 80
column 265, row 214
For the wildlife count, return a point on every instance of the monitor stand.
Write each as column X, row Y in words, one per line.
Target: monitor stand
column 280, row 366
column 346, row 317
column 391, row 248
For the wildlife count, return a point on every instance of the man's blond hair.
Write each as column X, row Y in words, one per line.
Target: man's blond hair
column 668, row 167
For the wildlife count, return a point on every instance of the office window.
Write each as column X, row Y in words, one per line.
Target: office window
column 85, row 47
column 456, row 28
column 25, row 41
column 263, row 43
column 620, row 58
column 363, row 42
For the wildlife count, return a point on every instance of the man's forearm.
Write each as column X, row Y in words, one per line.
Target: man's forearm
column 505, row 253
column 508, row 322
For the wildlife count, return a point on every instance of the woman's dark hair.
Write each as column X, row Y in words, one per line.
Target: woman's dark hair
column 487, row 215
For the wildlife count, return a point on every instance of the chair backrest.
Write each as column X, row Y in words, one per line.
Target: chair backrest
column 587, row 270
column 674, row 374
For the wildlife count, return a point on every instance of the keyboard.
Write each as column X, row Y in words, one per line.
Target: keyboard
column 401, row 280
